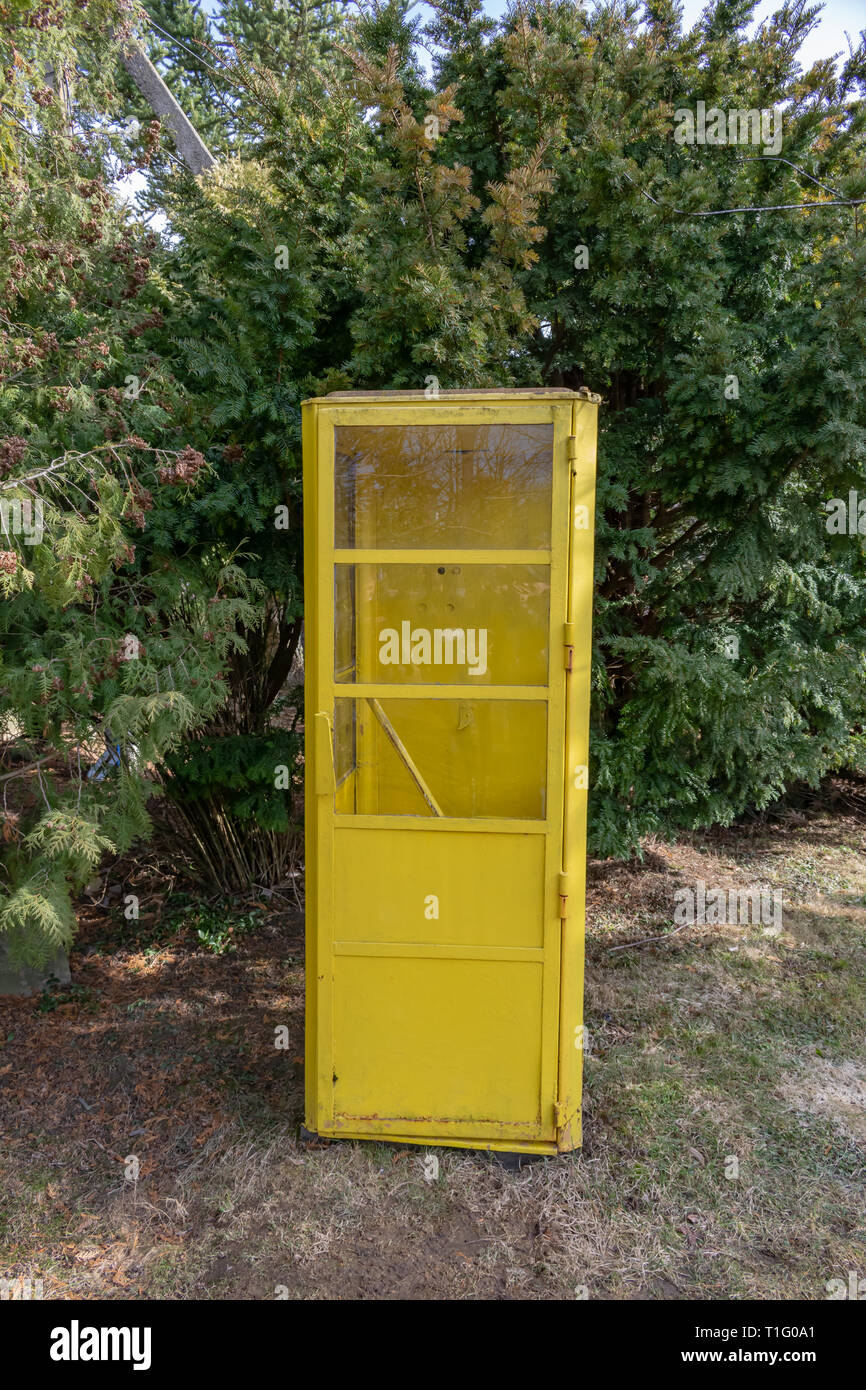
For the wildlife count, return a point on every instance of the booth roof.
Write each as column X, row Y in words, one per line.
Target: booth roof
column 583, row 394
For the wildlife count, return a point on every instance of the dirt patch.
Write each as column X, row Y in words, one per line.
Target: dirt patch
column 723, row 1153
column 834, row 1089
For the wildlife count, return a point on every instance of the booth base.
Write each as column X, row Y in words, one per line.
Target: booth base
column 501, row 1147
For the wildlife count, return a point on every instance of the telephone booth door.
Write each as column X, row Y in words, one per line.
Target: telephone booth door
column 440, row 651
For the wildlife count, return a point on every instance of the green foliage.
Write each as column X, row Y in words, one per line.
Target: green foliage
column 103, row 634
column 371, row 224
column 218, row 932
column 54, row 996
column 216, row 924
column 447, row 248
column 244, row 766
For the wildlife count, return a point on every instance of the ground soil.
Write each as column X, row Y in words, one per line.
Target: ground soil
column 724, row 1135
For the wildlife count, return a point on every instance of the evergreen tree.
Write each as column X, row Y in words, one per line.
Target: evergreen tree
column 527, row 213
column 108, row 633
column 546, row 227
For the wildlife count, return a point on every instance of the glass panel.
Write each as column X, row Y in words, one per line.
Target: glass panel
column 442, row 624
column 476, row 487
column 441, row 757
column 345, row 622
column 345, row 750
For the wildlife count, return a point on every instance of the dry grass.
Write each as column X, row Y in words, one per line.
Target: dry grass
column 719, row 1044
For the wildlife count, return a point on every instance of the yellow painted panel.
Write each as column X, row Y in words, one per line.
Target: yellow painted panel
column 580, row 569
column 448, row 889
column 442, row 555
column 458, row 1137
column 399, row 1023
column 458, row 691
column 313, row 826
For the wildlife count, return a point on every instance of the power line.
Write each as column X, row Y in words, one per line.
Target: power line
column 760, row 207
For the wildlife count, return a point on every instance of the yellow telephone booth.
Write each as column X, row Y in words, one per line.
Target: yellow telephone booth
column 448, row 611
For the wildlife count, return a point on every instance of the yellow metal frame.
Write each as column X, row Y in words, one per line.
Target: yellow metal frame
column 564, row 829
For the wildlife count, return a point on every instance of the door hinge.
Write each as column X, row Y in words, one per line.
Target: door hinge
column 563, row 895
column 568, row 637
column 571, row 454
column 558, row 1111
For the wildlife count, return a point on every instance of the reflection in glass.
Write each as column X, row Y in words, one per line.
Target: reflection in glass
column 457, row 486
column 441, row 757
column 442, row 624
